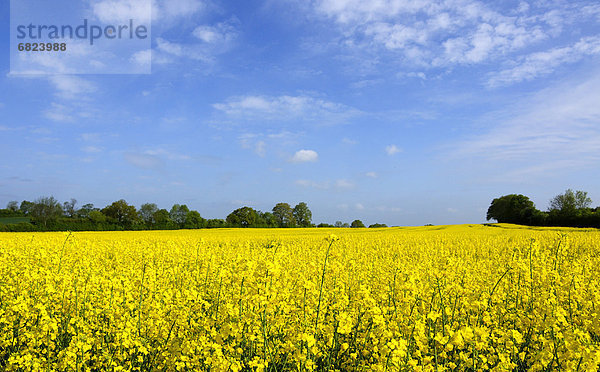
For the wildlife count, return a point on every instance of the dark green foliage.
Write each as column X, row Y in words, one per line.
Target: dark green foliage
column 302, row 215
column 243, row 217
column 357, row 223
column 121, row 213
column 513, row 208
column 570, row 209
column 376, row 225
column 284, row 215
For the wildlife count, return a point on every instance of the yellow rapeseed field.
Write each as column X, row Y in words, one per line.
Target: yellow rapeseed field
column 441, row 298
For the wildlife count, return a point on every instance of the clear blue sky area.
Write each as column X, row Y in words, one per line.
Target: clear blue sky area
column 394, row 111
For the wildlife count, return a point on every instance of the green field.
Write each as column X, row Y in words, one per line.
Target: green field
column 10, row 220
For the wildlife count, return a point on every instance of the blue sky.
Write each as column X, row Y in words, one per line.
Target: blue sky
column 393, row 111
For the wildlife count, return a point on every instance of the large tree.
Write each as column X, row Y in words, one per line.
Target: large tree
column 45, row 209
column 193, row 220
column 302, row 215
column 243, row 217
column 570, row 201
column 69, row 207
column 284, row 215
column 178, row 214
column 162, row 220
column 513, row 208
column 357, row 223
column 13, row 206
column 122, row 213
column 146, row 213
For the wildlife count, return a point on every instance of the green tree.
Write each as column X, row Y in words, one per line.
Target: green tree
column 13, row 206
column 85, row 210
column 162, row 220
column 302, row 215
column 122, row 213
column 357, row 223
column 513, row 208
column 376, row 225
column 267, row 219
column 46, row 209
column 26, row 207
column 284, row 215
column 570, row 201
column 69, row 208
column 146, row 213
column 97, row 217
column 193, row 220
column 243, row 217
column 178, row 214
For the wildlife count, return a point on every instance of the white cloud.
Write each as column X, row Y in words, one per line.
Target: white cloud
column 71, row 87
column 540, row 63
column 121, row 11
column 305, row 156
column 143, row 161
column 344, row 184
column 313, row 184
column 392, row 149
column 443, row 33
column 349, row 141
column 371, row 174
column 282, row 108
column 359, row 206
column 221, row 34
column 142, row 58
column 178, row 8
column 91, row 149
column 167, row 49
column 557, row 129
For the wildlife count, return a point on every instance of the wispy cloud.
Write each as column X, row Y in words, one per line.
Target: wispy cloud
column 392, row 150
column 536, row 64
column 305, row 156
column 419, row 35
column 286, row 108
column 556, row 128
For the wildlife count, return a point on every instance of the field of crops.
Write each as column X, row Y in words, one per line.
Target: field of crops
column 456, row 298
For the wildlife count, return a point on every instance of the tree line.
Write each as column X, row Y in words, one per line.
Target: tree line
column 48, row 214
column 569, row 209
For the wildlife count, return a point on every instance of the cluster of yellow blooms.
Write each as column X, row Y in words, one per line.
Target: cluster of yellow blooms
column 455, row 298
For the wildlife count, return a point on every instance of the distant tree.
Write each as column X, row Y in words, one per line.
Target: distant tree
column 26, row 207
column 513, row 208
column 46, row 209
column 69, row 208
column 376, row 225
column 178, row 214
column 84, row 211
column 322, row 224
column 96, row 217
column 267, row 219
column 284, row 215
column 122, row 213
column 243, row 217
column 146, row 213
column 570, row 201
column 345, row 224
column 215, row 223
column 338, row 224
column 13, row 206
column 161, row 218
column 302, row 215
column 193, row 220
column 357, row 223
